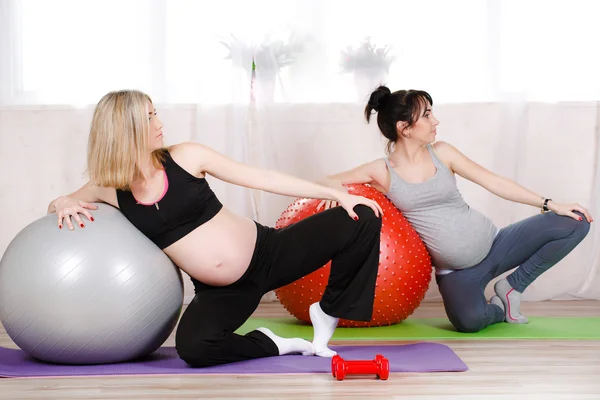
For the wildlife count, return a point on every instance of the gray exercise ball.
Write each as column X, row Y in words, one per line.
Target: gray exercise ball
column 97, row 295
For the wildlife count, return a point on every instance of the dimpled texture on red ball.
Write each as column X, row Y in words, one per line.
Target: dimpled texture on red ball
column 403, row 276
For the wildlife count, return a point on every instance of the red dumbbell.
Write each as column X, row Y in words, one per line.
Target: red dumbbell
column 380, row 366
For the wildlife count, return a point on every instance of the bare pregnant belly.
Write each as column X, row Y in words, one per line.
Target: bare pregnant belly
column 217, row 252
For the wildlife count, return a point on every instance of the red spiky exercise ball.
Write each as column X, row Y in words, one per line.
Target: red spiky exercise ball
column 404, row 266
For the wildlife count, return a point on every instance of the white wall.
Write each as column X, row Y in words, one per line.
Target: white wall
column 549, row 148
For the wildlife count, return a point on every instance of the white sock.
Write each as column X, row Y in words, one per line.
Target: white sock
column 289, row 346
column 512, row 302
column 323, row 326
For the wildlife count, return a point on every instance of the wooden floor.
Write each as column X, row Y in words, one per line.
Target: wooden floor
column 511, row 369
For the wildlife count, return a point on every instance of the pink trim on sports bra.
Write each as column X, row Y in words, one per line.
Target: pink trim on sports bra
column 161, row 196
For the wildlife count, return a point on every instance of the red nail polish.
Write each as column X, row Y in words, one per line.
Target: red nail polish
column 92, row 219
column 356, row 218
column 60, row 227
column 81, row 225
column 580, row 218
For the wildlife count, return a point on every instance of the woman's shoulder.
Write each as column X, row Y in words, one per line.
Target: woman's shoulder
column 179, row 152
column 378, row 166
column 186, row 155
column 185, row 149
column 444, row 151
column 380, row 170
column 443, row 146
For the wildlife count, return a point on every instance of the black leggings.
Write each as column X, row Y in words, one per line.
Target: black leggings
column 205, row 335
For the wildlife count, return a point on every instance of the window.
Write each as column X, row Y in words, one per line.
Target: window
column 73, row 52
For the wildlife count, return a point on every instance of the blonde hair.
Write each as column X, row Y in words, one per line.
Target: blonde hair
column 118, row 139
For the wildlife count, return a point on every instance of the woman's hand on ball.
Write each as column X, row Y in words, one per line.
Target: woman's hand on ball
column 334, row 184
column 327, row 204
column 67, row 207
column 349, row 201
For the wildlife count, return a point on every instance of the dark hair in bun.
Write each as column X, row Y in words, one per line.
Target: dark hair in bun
column 402, row 105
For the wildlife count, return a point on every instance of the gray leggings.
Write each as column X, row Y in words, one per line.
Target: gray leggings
column 535, row 244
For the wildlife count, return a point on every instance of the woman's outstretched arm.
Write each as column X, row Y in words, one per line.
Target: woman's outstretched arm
column 501, row 186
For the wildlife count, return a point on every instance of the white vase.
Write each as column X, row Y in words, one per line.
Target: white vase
column 264, row 86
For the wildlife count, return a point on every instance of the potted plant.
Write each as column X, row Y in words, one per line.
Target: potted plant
column 265, row 59
column 369, row 63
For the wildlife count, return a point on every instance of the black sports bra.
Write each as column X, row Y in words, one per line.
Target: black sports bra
column 186, row 203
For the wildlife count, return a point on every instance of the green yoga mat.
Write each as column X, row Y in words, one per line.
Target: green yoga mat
column 439, row 328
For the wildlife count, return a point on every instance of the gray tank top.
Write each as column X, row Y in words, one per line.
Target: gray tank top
column 456, row 235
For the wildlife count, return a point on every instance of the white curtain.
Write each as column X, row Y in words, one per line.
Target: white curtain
column 514, row 84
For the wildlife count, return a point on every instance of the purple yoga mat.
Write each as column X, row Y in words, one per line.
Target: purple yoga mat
column 419, row 357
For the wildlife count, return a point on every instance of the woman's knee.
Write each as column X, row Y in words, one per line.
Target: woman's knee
column 468, row 322
column 582, row 227
column 367, row 215
column 198, row 353
column 578, row 229
column 196, row 346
